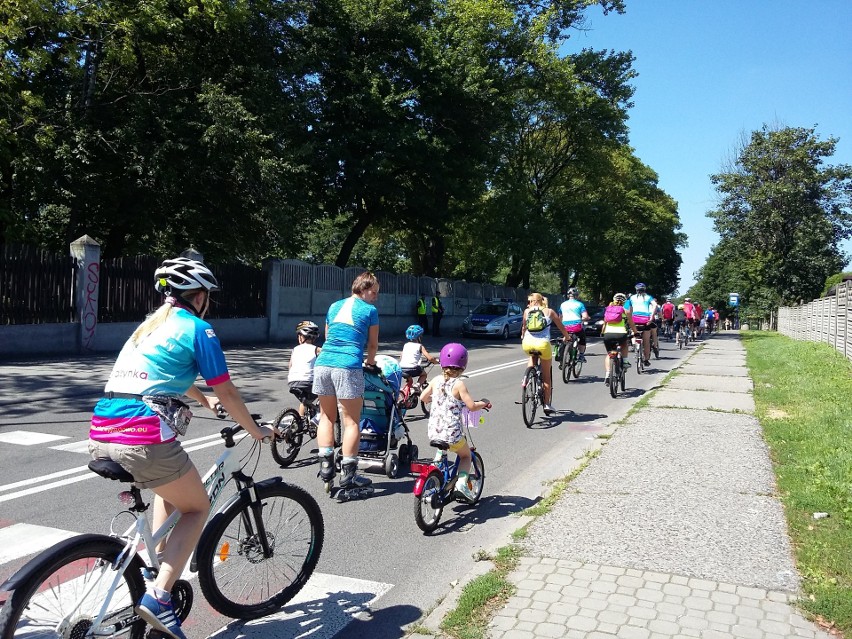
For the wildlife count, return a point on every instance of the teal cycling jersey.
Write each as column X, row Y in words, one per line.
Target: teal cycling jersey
column 640, row 305
column 571, row 312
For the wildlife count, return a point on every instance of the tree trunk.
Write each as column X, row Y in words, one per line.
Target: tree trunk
column 363, row 218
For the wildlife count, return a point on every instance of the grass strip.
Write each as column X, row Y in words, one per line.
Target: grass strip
column 802, row 393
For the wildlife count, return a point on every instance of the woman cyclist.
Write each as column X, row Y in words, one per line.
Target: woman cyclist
column 161, row 360
column 539, row 341
column 643, row 308
column 616, row 332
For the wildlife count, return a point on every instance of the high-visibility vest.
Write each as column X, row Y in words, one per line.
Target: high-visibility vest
column 435, row 305
column 421, row 307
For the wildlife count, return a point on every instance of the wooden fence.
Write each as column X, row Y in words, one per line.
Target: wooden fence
column 828, row 319
column 36, row 286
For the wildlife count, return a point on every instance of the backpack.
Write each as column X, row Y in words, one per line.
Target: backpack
column 613, row 314
column 536, row 320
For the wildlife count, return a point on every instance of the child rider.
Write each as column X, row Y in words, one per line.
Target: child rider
column 413, row 353
column 300, row 371
column 445, row 422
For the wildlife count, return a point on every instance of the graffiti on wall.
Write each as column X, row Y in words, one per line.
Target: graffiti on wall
column 89, row 318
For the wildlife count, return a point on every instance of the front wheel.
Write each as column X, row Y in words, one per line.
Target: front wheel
column 578, row 365
column 288, row 441
column 68, row 586
column 238, row 576
column 529, row 397
column 477, row 476
column 505, row 333
column 429, row 505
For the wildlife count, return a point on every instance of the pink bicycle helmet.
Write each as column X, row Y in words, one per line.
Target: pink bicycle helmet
column 453, row 356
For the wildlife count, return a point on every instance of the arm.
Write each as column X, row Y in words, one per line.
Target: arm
column 426, row 393
column 372, row 345
column 524, row 322
column 558, row 322
column 230, row 398
column 207, row 401
column 426, row 354
column 469, row 401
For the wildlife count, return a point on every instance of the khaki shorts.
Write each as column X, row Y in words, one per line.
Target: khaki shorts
column 151, row 466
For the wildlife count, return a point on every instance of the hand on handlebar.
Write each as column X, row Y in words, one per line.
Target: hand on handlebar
column 487, row 404
column 267, row 434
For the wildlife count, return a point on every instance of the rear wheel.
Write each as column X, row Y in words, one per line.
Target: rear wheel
column 613, row 377
column 622, row 376
column 69, row 587
column 565, row 362
column 288, row 441
column 428, row 505
column 237, row 577
column 529, row 396
column 578, row 364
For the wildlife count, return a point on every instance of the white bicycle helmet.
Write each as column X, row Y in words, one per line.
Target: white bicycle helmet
column 184, row 274
column 308, row 329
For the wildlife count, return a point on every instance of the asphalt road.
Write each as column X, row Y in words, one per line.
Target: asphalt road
column 378, row 572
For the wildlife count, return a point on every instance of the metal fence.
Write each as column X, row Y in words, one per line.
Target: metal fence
column 36, row 286
column 828, row 319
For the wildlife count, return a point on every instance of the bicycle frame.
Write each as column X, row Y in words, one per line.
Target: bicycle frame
column 450, row 472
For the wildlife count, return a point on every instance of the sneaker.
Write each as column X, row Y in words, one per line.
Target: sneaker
column 646, row 362
column 626, row 363
column 581, row 357
column 606, row 379
column 548, row 409
column 160, row 615
column 465, row 492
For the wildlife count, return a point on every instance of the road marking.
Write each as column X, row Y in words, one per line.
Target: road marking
column 20, row 540
column 28, row 438
column 76, row 447
column 325, row 606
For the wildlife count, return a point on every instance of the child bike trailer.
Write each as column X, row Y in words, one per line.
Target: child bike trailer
column 385, row 438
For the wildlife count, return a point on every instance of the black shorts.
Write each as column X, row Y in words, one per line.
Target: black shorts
column 303, row 391
column 417, row 371
column 645, row 327
column 581, row 337
column 614, row 343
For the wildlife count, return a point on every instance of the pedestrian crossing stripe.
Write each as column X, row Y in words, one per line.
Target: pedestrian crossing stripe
column 28, row 438
column 20, row 540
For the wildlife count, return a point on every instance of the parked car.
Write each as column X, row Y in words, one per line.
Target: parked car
column 496, row 318
column 594, row 324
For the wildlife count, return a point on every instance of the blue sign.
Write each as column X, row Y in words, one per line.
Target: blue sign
column 734, row 299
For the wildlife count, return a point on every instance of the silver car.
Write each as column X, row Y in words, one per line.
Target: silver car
column 496, row 318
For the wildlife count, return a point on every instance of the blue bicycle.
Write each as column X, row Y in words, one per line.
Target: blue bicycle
column 435, row 485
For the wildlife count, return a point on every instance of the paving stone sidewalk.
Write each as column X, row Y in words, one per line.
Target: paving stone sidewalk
column 674, row 530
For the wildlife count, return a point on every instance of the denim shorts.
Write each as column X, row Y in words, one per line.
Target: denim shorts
column 343, row 383
column 151, row 466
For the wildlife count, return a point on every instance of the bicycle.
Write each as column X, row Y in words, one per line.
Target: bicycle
column 436, row 481
column 638, row 347
column 532, row 390
column 681, row 335
column 255, row 554
column 409, row 394
column 569, row 359
column 618, row 374
column 291, row 428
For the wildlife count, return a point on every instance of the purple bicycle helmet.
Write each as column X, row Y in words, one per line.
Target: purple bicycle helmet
column 453, row 356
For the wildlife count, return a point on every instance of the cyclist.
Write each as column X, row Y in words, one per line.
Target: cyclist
column 689, row 310
column 616, row 332
column 679, row 318
column 668, row 313
column 643, row 308
column 539, row 341
column 450, row 395
column 572, row 312
column 413, row 353
column 699, row 315
column 300, row 370
column 137, row 421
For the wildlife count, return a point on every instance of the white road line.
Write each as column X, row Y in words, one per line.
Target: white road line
column 76, row 447
column 28, row 438
column 20, row 540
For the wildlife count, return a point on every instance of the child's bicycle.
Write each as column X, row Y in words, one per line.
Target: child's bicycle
column 435, row 485
column 409, row 394
column 291, row 429
column 255, row 553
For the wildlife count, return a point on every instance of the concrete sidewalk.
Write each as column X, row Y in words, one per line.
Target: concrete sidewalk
column 674, row 530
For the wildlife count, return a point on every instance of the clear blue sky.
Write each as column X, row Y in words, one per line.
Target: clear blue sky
column 710, row 72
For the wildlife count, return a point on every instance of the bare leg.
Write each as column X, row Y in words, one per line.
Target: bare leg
column 328, row 415
column 350, row 415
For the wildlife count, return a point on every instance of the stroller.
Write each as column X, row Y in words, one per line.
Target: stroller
column 385, row 437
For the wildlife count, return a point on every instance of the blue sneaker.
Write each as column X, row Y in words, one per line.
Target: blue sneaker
column 160, row 615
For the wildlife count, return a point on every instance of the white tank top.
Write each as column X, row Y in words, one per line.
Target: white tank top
column 411, row 355
column 302, row 363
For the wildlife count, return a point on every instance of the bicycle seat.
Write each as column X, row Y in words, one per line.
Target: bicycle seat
column 110, row 470
column 437, row 443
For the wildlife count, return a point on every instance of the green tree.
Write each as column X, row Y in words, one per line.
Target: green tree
column 782, row 217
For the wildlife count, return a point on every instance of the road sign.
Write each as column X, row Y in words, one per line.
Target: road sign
column 734, row 299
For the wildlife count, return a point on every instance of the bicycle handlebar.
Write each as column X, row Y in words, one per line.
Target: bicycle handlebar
column 229, row 431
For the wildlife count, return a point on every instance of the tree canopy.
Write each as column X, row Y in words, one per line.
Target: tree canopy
column 449, row 137
column 782, row 216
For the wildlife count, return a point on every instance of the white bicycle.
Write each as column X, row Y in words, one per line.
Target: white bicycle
column 255, row 553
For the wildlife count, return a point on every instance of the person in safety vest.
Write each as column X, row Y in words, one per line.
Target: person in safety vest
column 422, row 319
column 437, row 314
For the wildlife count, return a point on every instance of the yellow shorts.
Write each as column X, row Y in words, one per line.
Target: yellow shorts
column 454, row 448
column 542, row 345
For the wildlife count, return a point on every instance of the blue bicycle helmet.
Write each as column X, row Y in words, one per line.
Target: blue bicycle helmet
column 640, row 286
column 413, row 332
